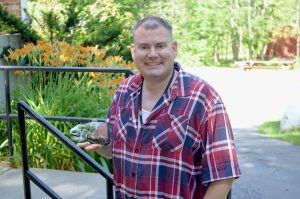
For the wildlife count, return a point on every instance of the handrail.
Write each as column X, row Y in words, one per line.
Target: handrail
column 127, row 71
column 56, row 118
column 8, row 116
column 28, row 175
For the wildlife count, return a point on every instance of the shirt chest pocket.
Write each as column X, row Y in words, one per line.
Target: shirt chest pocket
column 170, row 132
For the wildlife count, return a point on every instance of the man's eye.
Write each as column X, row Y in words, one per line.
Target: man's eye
column 144, row 47
column 160, row 46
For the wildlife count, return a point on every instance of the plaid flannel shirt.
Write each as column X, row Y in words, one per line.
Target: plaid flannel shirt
column 185, row 143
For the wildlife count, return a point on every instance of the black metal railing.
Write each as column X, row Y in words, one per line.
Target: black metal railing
column 8, row 116
column 30, row 176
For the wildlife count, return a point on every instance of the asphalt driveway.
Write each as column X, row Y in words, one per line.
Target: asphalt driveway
column 270, row 168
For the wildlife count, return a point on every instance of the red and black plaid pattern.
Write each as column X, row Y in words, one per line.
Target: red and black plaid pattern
column 185, row 143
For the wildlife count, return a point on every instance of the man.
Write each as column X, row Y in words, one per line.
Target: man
column 170, row 133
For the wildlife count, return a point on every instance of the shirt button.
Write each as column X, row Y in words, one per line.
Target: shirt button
column 136, row 150
column 133, row 174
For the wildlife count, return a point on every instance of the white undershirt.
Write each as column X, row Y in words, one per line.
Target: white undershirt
column 145, row 115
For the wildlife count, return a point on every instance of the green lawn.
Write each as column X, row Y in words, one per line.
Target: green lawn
column 272, row 129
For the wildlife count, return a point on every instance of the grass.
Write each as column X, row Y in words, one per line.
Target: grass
column 272, row 129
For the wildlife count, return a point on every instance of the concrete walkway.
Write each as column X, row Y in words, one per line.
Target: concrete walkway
column 270, row 168
column 67, row 184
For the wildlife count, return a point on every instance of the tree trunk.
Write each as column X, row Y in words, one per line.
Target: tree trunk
column 226, row 48
column 173, row 8
column 216, row 56
column 250, row 30
column 235, row 45
column 265, row 6
column 241, row 45
column 234, row 6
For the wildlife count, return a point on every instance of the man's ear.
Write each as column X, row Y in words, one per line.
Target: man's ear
column 174, row 47
column 132, row 49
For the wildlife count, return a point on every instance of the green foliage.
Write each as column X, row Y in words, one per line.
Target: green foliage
column 211, row 32
column 5, row 51
column 10, row 24
column 135, row 7
column 272, row 129
column 58, row 94
column 103, row 24
column 6, row 29
column 85, row 22
column 200, row 36
column 3, row 140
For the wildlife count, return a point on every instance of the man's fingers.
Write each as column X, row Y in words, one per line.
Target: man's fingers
column 88, row 146
column 83, row 144
column 92, row 147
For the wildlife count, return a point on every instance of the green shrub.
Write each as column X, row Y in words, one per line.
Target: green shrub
column 84, row 22
column 5, row 28
column 10, row 24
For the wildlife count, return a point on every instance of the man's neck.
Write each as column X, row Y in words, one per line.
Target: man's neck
column 156, row 86
column 154, row 89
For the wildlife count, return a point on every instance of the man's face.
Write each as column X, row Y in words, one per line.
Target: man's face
column 154, row 52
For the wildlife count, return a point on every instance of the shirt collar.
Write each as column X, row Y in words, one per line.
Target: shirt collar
column 182, row 84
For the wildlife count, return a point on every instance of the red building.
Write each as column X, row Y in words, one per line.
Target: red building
column 15, row 7
column 284, row 45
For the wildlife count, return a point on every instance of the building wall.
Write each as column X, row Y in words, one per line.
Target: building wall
column 13, row 6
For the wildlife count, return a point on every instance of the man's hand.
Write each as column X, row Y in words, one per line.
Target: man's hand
column 105, row 151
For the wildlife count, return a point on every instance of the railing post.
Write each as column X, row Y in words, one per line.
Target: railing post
column 26, row 181
column 109, row 190
column 8, row 112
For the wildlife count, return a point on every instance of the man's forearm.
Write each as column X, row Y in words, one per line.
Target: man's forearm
column 218, row 189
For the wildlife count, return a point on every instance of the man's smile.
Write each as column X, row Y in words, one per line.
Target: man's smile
column 153, row 63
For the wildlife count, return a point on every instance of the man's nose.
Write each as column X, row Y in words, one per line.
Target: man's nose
column 152, row 52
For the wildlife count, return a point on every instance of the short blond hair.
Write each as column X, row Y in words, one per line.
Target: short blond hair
column 152, row 22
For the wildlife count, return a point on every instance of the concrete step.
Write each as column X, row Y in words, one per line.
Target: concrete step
column 67, row 184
